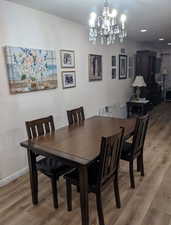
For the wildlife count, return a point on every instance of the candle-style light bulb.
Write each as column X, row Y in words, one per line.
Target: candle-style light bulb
column 114, row 13
column 93, row 15
column 123, row 20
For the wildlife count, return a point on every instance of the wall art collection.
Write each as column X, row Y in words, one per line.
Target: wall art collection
column 68, row 62
column 36, row 69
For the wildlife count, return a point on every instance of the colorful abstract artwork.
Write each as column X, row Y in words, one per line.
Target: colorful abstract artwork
column 31, row 69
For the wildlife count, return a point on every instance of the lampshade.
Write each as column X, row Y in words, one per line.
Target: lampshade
column 139, row 82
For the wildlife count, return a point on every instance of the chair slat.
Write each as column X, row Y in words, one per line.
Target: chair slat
column 47, row 127
column 33, row 131
column 40, row 129
column 75, row 115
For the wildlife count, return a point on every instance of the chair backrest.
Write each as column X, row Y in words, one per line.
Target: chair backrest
column 139, row 134
column 110, row 156
column 40, row 127
column 75, row 115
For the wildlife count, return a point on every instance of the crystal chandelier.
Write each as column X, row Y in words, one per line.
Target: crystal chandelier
column 107, row 28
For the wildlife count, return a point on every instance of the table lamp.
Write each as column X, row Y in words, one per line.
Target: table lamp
column 139, row 82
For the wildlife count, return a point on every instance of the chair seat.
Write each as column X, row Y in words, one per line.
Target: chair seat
column 50, row 166
column 92, row 176
column 126, row 151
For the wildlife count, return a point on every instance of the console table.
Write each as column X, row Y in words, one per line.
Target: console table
column 138, row 106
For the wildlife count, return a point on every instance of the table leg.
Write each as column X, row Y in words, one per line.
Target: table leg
column 33, row 176
column 84, row 195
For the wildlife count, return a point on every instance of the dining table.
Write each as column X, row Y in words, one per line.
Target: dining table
column 76, row 145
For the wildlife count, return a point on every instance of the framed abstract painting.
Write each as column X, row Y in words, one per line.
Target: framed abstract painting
column 30, row 69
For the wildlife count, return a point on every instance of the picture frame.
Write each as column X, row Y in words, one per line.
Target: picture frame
column 122, row 67
column 114, row 73
column 131, row 67
column 95, row 67
column 30, row 69
column 68, row 79
column 114, row 67
column 123, row 50
column 113, row 61
column 67, row 58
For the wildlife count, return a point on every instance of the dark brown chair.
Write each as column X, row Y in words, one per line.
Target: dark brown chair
column 134, row 150
column 75, row 115
column 100, row 173
column 51, row 167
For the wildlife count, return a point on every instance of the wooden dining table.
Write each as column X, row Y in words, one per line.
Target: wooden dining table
column 78, row 146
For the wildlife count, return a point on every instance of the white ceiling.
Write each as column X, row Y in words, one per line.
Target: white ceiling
column 155, row 15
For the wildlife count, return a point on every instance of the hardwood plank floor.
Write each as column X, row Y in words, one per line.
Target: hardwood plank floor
column 148, row 204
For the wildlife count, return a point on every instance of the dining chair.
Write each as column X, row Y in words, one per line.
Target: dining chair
column 100, row 173
column 134, row 150
column 75, row 115
column 51, row 167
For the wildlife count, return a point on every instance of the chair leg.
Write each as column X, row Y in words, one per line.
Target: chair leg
column 69, row 194
column 55, row 192
column 116, row 190
column 131, row 173
column 138, row 163
column 99, row 208
column 142, row 165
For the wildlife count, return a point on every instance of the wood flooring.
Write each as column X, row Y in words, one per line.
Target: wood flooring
column 148, row 204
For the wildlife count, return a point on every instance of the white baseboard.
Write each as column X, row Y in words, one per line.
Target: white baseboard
column 13, row 176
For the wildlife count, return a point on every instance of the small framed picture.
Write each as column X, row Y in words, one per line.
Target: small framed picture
column 131, row 67
column 113, row 73
column 67, row 59
column 113, row 61
column 123, row 50
column 122, row 67
column 68, row 79
column 95, row 67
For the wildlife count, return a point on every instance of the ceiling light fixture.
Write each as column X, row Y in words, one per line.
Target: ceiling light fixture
column 169, row 43
column 107, row 28
column 161, row 39
column 143, row 30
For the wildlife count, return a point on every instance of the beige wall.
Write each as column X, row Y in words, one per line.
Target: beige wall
column 21, row 26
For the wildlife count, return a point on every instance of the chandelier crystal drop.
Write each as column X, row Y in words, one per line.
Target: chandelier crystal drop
column 107, row 28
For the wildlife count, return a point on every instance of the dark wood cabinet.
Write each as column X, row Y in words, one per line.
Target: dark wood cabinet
column 146, row 66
